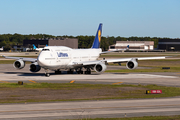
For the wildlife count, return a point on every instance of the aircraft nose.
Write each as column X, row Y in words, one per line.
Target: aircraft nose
column 40, row 61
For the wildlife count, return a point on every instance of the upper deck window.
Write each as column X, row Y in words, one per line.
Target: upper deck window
column 45, row 49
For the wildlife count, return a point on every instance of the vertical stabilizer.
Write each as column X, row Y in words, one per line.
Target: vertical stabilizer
column 34, row 47
column 97, row 40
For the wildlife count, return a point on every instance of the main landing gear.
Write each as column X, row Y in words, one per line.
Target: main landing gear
column 88, row 71
column 57, row 72
column 70, row 71
column 80, row 71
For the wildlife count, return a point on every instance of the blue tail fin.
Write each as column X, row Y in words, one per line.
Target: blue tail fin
column 97, row 40
column 34, row 47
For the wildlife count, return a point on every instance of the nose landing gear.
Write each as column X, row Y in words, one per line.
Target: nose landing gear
column 47, row 74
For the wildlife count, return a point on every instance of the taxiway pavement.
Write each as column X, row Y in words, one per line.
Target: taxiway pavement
column 10, row 74
column 92, row 109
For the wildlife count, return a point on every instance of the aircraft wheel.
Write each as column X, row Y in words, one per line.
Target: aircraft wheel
column 89, row 72
column 70, row 72
column 58, row 72
column 47, row 74
column 79, row 71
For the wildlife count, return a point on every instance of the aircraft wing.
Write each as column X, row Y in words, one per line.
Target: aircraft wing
column 21, row 58
column 120, row 60
column 117, row 50
column 113, row 51
column 128, row 59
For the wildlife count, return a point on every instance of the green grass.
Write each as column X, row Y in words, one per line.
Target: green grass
column 52, row 85
column 153, row 69
column 155, row 66
column 68, row 88
column 177, row 117
column 137, row 54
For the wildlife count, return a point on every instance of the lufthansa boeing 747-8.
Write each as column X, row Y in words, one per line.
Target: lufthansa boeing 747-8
column 60, row 58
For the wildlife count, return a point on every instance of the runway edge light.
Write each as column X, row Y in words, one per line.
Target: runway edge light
column 153, row 91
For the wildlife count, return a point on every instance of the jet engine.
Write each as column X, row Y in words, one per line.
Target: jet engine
column 132, row 64
column 100, row 67
column 34, row 67
column 19, row 64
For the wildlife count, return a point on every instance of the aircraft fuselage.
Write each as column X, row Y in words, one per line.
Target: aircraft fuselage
column 58, row 57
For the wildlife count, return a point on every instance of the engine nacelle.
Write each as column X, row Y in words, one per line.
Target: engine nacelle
column 19, row 64
column 34, row 67
column 100, row 67
column 132, row 64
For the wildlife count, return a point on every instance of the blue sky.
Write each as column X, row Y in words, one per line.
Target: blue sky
column 125, row 18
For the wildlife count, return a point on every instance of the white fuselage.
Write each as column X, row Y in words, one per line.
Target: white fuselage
column 39, row 49
column 61, row 57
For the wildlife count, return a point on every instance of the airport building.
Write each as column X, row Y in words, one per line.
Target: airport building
column 42, row 42
column 169, row 44
column 133, row 45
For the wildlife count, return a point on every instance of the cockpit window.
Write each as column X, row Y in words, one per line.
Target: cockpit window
column 45, row 49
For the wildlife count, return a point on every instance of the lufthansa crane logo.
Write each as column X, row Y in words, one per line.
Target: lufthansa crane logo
column 99, row 35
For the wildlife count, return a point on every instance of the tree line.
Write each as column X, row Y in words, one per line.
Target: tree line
column 8, row 40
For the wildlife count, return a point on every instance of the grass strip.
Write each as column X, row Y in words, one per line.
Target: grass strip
column 50, row 92
column 153, row 69
column 134, row 54
column 175, row 117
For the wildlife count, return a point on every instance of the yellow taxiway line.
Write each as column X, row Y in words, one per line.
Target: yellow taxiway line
column 4, row 81
column 72, row 81
column 117, row 83
column 32, row 81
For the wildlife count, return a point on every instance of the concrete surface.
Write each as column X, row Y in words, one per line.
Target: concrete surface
column 92, row 109
column 9, row 74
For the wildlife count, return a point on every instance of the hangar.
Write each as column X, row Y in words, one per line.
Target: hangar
column 133, row 45
column 42, row 42
column 169, row 44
